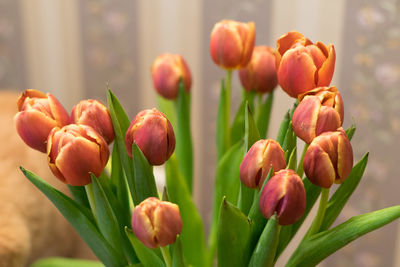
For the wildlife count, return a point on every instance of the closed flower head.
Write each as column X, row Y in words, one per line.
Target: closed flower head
column 256, row 164
column 38, row 115
column 74, row 152
column 166, row 71
column 329, row 159
column 232, row 43
column 156, row 223
column 153, row 134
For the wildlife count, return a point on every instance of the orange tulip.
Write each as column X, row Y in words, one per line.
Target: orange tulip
column 156, row 223
column 329, row 159
column 96, row 115
column 304, row 65
column 232, row 43
column 320, row 110
column 154, row 135
column 74, row 152
column 260, row 74
column 258, row 160
column 166, row 71
column 284, row 194
column 38, row 115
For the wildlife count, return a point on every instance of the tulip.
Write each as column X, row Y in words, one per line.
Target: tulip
column 304, row 65
column 156, row 223
column 75, row 151
column 260, row 74
column 96, row 115
column 284, row 194
column 257, row 162
column 329, row 159
column 166, row 72
column 153, row 134
column 38, row 115
column 232, row 43
column 320, row 110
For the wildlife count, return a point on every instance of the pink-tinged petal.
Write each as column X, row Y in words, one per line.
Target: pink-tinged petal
column 59, row 113
column 296, row 73
column 317, row 55
column 328, row 120
column 271, row 196
column 286, row 41
column 248, row 36
column 339, row 107
column 345, row 158
column 325, row 73
column 33, row 127
column 318, row 167
column 305, row 118
column 29, row 93
column 273, row 156
column 167, row 223
column 142, row 226
column 77, row 159
column 251, row 172
column 226, row 47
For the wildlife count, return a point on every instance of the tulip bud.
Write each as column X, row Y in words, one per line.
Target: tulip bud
column 329, row 159
column 96, row 115
column 75, row 151
column 153, row 134
column 304, row 65
column 232, row 43
column 156, row 223
column 166, row 71
column 256, row 163
column 38, row 115
column 284, row 194
column 260, row 73
column 320, row 110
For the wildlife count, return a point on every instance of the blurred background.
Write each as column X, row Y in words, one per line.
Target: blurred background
column 74, row 48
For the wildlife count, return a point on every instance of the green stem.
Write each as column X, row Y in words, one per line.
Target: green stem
column 90, row 196
column 316, row 225
column 166, row 256
column 228, row 88
column 300, row 170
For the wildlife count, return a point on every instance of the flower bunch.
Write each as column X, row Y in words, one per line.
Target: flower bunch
column 261, row 196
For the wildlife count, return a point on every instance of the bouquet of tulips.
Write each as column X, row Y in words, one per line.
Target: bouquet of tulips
column 260, row 196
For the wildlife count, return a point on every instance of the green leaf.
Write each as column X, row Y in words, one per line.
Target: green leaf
column 223, row 131
column 148, row 257
column 264, row 115
column 232, row 237
column 237, row 128
column 81, row 219
column 289, row 142
column 79, row 194
column 177, row 254
column 192, row 234
column 108, row 223
column 227, row 184
column 316, row 248
column 350, row 131
column 121, row 124
column 288, row 231
column 283, row 128
column 65, row 262
column 292, row 163
column 144, row 182
column 343, row 193
column 264, row 254
column 168, row 108
column 184, row 146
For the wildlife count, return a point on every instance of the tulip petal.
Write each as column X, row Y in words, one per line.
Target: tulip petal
column 305, row 118
column 345, row 158
column 286, row 41
column 325, row 73
column 328, row 120
column 294, row 202
column 34, row 127
column 143, row 227
column 77, row 159
column 318, row 167
column 58, row 111
column 167, row 223
column 296, row 73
